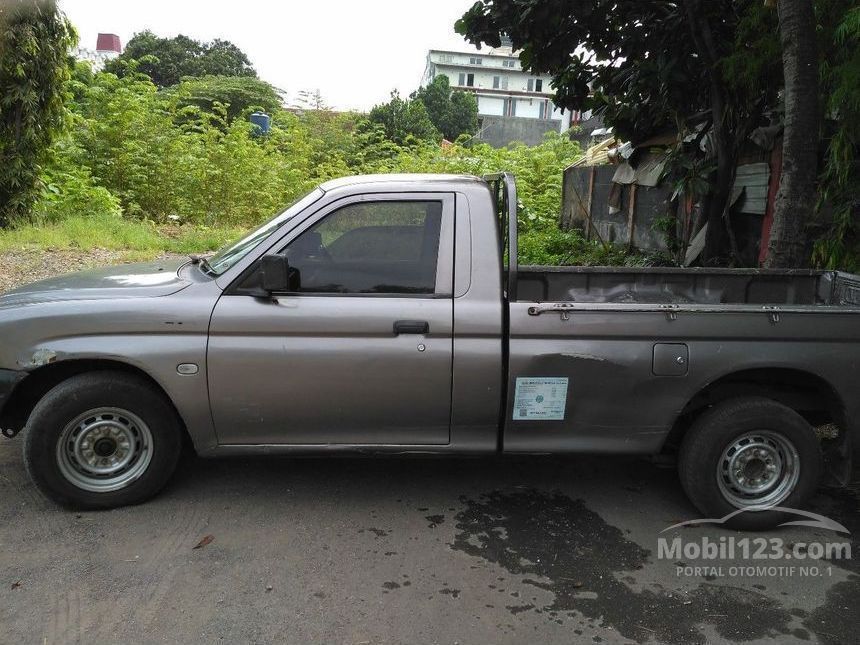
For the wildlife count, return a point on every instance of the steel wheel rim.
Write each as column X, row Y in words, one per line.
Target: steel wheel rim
column 104, row 450
column 758, row 469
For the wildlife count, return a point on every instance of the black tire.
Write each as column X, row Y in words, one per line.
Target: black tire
column 77, row 396
column 717, row 429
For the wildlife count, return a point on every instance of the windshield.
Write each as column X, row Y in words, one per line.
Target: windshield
column 230, row 255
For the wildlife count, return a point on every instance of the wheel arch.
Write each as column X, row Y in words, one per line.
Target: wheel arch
column 805, row 392
column 40, row 381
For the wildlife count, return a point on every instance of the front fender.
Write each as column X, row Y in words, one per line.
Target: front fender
column 153, row 336
column 157, row 357
column 9, row 381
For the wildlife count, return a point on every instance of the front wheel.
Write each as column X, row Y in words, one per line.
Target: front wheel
column 102, row 440
column 749, row 455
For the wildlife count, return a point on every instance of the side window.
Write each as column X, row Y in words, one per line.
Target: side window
column 370, row 247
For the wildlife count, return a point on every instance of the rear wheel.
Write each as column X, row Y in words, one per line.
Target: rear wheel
column 750, row 454
column 102, row 440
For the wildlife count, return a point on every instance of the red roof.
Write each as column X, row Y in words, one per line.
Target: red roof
column 108, row 43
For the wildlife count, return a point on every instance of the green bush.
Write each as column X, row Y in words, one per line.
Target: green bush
column 137, row 161
column 242, row 94
column 164, row 158
column 71, row 193
column 553, row 247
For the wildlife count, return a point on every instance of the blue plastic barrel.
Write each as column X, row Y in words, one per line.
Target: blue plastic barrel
column 262, row 123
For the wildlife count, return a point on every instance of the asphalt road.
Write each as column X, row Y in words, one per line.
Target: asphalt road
column 404, row 551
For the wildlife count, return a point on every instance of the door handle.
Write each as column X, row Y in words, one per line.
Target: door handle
column 411, row 327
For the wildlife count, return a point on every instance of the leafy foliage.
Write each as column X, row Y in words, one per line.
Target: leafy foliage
column 651, row 75
column 179, row 169
column 403, row 120
column 840, row 247
column 167, row 60
column 647, row 67
column 134, row 156
column 69, row 190
column 238, row 94
column 653, row 67
column 453, row 113
column 554, row 247
column 34, row 40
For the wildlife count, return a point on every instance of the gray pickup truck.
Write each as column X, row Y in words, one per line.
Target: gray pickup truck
column 388, row 314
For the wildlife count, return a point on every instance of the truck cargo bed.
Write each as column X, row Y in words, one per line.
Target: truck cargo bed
column 687, row 286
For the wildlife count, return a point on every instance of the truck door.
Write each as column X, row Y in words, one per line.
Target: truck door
column 360, row 350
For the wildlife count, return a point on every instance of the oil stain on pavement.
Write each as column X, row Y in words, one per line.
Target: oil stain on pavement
column 558, row 544
column 839, row 613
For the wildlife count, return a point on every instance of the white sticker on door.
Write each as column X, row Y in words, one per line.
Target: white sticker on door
column 540, row 398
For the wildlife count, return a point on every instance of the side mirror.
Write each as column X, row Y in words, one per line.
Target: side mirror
column 275, row 270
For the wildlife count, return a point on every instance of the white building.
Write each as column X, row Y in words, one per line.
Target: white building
column 513, row 105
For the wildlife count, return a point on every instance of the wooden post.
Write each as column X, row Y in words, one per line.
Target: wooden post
column 631, row 216
column 772, row 188
column 591, row 176
column 563, row 218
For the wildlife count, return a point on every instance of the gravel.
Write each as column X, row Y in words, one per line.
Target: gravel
column 21, row 267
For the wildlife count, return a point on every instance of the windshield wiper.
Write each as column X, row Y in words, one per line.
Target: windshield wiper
column 202, row 262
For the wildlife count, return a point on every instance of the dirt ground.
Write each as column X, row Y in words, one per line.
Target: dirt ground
column 397, row 550
column 23, row 266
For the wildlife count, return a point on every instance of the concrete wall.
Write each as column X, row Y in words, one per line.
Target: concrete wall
column 491, row 105
column 499, row 131
column 528, row 108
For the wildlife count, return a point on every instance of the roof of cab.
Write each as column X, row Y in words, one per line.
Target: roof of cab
column 411, row 178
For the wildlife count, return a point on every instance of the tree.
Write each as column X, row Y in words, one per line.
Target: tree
column 223, row 58
column 453, row 113
column 402, row 119
column 648, row 68
column 839, row 247
column 238, row 93
column 795, row 199
column 312, row 100
column 35, row 38
column 167, row 60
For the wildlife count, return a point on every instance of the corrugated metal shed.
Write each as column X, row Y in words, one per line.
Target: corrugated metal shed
column 753, row 179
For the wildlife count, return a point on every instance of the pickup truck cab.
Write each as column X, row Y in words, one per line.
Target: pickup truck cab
column 388, row 314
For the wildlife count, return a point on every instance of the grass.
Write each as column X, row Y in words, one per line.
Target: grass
column 137, row 239
column 140, row 240
column 554, row 247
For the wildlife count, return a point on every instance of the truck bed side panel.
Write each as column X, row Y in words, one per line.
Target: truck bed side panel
column 615, row 402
